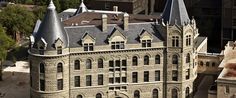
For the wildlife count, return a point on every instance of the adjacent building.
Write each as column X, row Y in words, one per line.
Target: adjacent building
column 129, row 6
column 115, row 55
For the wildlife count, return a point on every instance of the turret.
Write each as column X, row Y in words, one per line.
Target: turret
column 49, row 62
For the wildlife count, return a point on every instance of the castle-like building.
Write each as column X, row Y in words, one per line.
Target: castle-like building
column 115, row 55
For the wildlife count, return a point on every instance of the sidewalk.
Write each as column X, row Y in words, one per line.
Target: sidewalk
column 15, row 82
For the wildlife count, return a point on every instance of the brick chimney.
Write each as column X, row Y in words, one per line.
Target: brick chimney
column 104, row 22
column 126, row 21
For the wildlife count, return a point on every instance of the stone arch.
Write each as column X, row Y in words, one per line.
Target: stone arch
column 90, row 59
column 147, row 54
column 136, row 56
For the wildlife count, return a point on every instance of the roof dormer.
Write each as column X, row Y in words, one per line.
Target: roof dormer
column 145, row 35
column 88, row 39
column 116, row 35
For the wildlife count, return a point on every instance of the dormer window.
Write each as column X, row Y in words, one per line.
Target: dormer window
column 88, row 42
column 118, row 45
column 41, row 50
column 42, row 46
column 146, row 43
column 146, row 38
column 88, row 46
column 59, row 50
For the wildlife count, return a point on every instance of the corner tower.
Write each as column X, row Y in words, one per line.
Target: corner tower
column 180, row 69
column 49, row 58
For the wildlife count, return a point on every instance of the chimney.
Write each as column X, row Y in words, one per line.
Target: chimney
column 115, row 8
column 126, row 21
column 104, row 22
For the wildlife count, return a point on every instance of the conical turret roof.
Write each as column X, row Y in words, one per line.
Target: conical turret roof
column 51, row 29
column 175, row 12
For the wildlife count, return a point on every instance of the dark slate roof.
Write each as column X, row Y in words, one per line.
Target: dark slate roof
column 198, row 41
column 76, row 33
column 51, row 29
column 175, row 12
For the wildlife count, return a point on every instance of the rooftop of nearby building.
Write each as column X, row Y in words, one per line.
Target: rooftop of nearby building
column 228, row 63
column 93, row 18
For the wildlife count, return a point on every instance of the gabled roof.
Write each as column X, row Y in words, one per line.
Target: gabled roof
column 51, row 29
column 175, row 13
column 82, row 8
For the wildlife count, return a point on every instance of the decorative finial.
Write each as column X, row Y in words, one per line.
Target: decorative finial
column 82, row 0
column 51, row 5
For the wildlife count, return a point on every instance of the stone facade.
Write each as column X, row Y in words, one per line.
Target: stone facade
column 161, row 64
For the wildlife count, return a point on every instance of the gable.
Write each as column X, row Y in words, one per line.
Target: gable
column 87, row 39
column 116, row 35
column 145, row 35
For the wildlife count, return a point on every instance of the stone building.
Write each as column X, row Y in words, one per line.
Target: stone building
column 129, row 6
column 97, row 55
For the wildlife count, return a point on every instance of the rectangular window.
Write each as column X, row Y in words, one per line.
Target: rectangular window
column 59, row 50
column 100, row 79
column 234, row 22
column 111, row 63
column 227, row 89
column 175, row 75
column 118, row 45
column 146, row 76
column 146, row 43
column 124, row 63
column 88, row 80
column 175, row 41
column 187, row 74
column 124, row 79
column 42, row 85
column 41, row 52
column 88, row 47
column 135, row 77
column 111, row 80
column 77, row 81
column 117, row 79
column 157, row 75
column 59, row 84
column 117, row 63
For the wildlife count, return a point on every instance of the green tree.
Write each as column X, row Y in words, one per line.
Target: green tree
column 17, row 20
column 5, row 44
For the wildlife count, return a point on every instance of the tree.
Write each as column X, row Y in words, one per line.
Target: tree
column 5, row 44
column 17, row 20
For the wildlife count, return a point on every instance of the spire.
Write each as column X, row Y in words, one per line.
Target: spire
column 51, row 5
column 51, row 29
column 175, row 12
column 82, row 8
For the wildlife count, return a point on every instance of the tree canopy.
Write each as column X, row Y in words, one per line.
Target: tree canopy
column 5, row 43
column 17, row 19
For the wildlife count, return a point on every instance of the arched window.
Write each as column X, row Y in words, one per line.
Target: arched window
column 79, row 96
column 174, row 59
column 207, row 64
column 188, row 58
column 187, row 93
column 174, row 93
column 201, row 63
column 213, row 64
column 155, row 93
column 100, row 63
column 157, row 59
column 136, row 94
column 99, row 95
column 135, row 61
column 42, row 68
column 59, row 68
column 146, row 60
column 77, row 65
column 88, row 64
